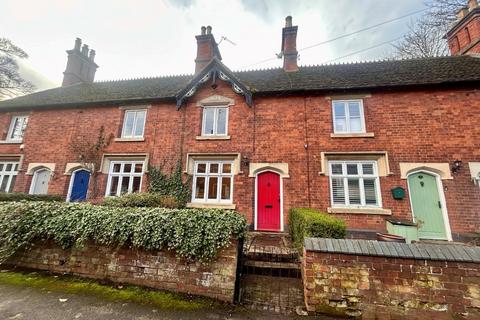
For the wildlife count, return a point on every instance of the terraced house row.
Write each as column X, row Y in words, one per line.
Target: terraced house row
column 368, row 142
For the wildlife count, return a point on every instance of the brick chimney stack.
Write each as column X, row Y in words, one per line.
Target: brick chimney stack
column 207, row 48
column 81, row 67
column 289, row 46
column 464, row 36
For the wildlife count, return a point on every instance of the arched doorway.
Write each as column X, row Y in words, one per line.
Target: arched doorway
column 78, row 185
column 428, row 205
column 40, row 181
column 268, row 202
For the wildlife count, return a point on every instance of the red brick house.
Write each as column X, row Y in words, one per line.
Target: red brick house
column 335, row 137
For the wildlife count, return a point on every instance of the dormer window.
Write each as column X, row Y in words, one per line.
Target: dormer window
column 348, row 116
column 215, row 121
column 17, row 128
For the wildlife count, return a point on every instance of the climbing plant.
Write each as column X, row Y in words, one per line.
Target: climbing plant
column 169, row 183
column 88, row 150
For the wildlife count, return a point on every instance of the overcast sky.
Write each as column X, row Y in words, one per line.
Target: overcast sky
column 137, row 38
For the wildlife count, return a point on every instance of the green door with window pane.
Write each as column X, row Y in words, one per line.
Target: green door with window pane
column 426, row 205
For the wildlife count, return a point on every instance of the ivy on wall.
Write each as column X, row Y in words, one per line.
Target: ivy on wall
column 170, row 184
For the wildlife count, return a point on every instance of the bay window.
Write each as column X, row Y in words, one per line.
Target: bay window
column 354, row 184
column 124, row 177
column 213, row 182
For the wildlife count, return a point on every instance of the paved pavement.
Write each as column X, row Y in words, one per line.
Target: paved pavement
column 23, row 303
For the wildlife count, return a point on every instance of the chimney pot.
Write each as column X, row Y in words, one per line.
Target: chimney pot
column 288, row 21
column 85, row 50
column 78, row 44
column 80, row 65
column 207, row 48
column 289, row 46
column 472, row 4
column 92, row 55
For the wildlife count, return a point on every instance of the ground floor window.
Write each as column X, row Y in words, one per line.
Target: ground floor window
column 354, row 184
column 124, row 177
column 213, row 182
column 8, row 175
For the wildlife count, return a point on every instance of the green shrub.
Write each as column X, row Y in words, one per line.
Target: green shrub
column 142, row 199
column 18, row 196
column 195, row 234
column 304, row 222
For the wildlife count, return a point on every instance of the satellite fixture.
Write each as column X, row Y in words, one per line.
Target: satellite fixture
column 226, row 39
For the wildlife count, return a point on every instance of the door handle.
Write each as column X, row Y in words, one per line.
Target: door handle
column 268, row 206
column 439, row 204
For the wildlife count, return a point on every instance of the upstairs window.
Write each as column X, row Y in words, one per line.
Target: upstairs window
column 213, row 182
column 17, row 128
column 348, row 116
column 124, row 177
column 354, row 184
column 215, row 121
column 134, row 124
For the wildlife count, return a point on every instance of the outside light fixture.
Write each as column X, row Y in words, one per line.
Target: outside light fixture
column 245, row 161
column 456, row 166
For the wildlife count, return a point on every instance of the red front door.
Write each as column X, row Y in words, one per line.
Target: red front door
column 268, row 201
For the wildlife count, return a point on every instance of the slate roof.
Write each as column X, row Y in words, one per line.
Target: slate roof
column 364, row 75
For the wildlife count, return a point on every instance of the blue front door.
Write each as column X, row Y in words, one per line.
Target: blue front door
column 80, row 185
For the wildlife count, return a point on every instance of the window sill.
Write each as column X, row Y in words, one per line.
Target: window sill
column 212, row 137
column 11, row 141
column 379, row 211
column 210, row 205
column 129, row 139
column 353, row 135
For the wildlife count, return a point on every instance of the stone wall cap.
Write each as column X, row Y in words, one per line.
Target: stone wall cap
column 419, row 251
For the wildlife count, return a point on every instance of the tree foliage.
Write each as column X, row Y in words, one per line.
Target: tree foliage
column 11, row 82
column 425, row 36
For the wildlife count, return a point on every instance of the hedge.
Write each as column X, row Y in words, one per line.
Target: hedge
column 142, row 199
column 305, row 222
column 18, row 196
column 194, row 234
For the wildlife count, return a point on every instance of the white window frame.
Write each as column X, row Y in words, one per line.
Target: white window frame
column 8, row 174
column 360, row 176
column 12, row 127
column 347, row 116
column 122, row 174
column 135, row 111
column 215, row 121
column 207, row 176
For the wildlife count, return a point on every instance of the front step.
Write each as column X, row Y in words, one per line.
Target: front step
column 270, row 273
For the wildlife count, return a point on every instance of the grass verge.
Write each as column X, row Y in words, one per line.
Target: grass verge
column 69, row 284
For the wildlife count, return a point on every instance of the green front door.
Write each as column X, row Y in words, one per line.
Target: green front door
column 426, row 206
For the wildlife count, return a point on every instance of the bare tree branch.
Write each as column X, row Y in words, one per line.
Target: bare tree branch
column 425, row 35
column 11, row 82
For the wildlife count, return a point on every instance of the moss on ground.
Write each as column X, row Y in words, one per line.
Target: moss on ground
column 73, row 285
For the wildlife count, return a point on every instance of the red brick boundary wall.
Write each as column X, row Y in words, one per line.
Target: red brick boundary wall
column 372, row 280
column 156, row 269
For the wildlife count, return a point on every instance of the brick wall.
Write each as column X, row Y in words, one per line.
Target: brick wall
column 159, row 269
column 421, row 125
column 370, row 287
